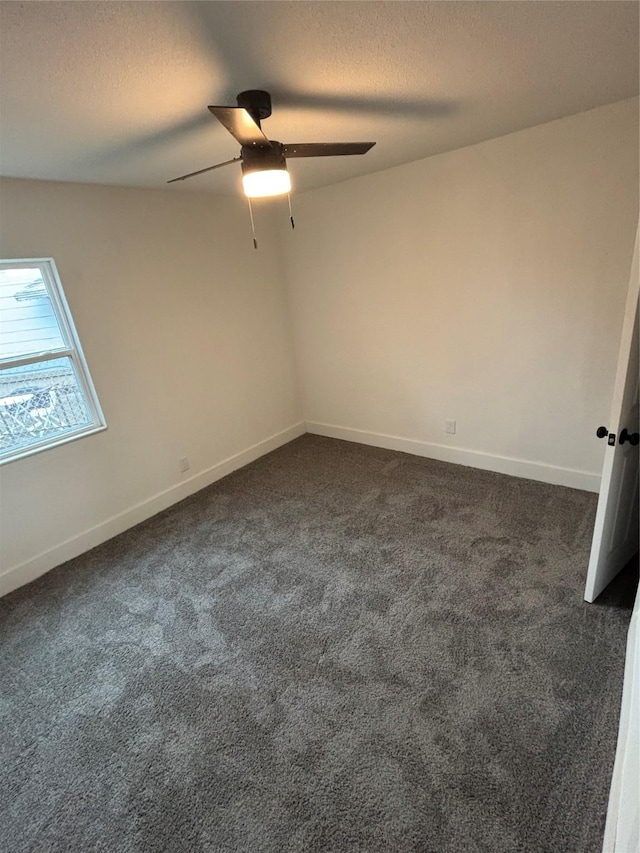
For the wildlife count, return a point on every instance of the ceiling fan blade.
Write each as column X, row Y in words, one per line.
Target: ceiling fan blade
column 200, row 171
column 241, row 125
column 325, row 149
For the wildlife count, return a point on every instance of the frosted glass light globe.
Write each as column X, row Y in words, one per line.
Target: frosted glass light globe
column 266, row 183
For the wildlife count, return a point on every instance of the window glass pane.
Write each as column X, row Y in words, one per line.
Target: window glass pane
column 39, row 402
column 46, row 393
column 28, row 323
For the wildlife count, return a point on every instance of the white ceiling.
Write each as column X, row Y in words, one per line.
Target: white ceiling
column 117, row 93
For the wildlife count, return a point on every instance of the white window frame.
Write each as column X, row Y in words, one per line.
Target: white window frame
column 70, row 349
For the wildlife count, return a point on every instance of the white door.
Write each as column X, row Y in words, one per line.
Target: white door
column 615, row 535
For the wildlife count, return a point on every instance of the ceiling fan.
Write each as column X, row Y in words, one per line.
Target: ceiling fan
column 264, row 161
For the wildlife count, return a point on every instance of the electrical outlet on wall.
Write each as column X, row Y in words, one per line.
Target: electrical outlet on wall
column 183, row 464
column 450, row 427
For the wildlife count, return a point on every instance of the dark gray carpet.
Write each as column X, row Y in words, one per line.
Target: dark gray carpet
column 337, row 648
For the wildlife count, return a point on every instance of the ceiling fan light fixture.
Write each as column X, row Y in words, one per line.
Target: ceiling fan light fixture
column 264, row 183
column 264, row 171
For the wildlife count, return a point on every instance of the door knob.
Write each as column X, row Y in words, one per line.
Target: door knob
column 632, row 437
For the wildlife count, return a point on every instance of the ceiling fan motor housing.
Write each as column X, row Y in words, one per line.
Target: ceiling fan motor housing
column 257, row 159
column 256, row 102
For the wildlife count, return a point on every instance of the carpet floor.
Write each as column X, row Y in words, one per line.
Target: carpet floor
column 336, row 648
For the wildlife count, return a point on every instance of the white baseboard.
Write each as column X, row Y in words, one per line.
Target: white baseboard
column 540, row 471
column 38, row 565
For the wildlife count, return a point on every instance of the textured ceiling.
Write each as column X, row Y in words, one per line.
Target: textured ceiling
column 117, row 93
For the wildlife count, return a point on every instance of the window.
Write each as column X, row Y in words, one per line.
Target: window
column 46, row 393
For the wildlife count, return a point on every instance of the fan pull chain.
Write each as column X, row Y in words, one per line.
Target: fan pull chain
column 253, row 227
column 293, row 224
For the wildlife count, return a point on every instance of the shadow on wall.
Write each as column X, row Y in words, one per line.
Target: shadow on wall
column 621, row 592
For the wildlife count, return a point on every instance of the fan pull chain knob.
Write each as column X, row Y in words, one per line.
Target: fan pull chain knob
column 293, row 224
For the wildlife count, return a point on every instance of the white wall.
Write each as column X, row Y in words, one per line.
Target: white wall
column 485, row 285
column 187, row 337
column 622, row 829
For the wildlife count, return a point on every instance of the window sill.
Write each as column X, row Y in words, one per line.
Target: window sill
column 50, row 444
